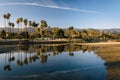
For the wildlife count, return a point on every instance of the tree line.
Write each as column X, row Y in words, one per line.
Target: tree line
column 43, row 31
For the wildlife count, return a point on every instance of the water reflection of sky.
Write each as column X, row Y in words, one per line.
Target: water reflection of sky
column 80, row 65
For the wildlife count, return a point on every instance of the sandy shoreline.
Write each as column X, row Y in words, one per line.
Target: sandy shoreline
column 13, row 42
column 99, row 43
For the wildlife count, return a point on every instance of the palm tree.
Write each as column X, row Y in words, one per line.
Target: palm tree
column 34, row 24
column 4, row 16
column 10, row 24
column 25, row 24
column 21, row 20
column 8, row 15
column 12, row 28
column 17, row 21
column 30, row 24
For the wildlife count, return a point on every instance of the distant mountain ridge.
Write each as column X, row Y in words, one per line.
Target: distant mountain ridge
column 114, row 30
column 31, row 29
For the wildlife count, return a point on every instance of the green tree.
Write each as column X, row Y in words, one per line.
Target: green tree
column 55, row 32
column 35, row 25
column 43, row 26
column 84, row 34
column 3, row 34
column 70, row 32
column 24, row 35
column 60, row 33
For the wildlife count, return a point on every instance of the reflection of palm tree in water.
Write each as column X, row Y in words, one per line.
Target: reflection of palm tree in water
column 35, row 57
column 19, row 61
column 71, row 54
column 70, row 50
column 25, row 58
column 43, row 52
column 30, row 58
column 11, row 58
column 7, row 66
column 44, row 58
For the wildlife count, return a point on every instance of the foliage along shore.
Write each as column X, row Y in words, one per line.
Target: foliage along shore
column 58, row 41
column 47, row 34
column 22, row 42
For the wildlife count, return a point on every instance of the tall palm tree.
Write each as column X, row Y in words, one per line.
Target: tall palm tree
column 8, row 15
column 4, row 16
column 13, row 26
column 30, row 24
column 21, row 20
column 25, row 23
column 10, row 24
column 34, row 25
column 17, row 21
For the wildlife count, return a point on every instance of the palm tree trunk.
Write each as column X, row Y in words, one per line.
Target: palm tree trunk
column 26, row 28
column 13, row 32
column 18, row 29
column 5, row 23
column 21, row 27
column 5, row 29
column 34, row 30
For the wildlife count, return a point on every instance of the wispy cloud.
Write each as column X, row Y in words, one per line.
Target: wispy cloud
column 51, row 4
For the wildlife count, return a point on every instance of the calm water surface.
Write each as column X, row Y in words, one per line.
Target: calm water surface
column 44, row 62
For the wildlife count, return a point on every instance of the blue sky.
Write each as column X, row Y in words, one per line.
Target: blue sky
column 101, row 14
